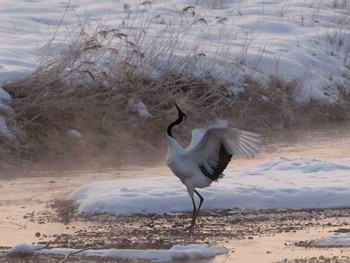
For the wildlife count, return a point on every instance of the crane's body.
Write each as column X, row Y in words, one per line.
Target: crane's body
column 188, row 171
column 207, row 156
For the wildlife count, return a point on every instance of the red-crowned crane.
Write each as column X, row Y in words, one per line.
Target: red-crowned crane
column 207, row 156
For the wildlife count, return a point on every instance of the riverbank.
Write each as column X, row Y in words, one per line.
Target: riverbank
column 264, row 235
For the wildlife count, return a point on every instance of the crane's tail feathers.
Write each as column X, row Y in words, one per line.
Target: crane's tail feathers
column 243, row 143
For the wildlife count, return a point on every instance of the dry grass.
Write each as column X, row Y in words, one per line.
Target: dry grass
column 88, row 88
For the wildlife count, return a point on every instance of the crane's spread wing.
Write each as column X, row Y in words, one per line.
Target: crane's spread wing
column 197, row 135
column 214, row 149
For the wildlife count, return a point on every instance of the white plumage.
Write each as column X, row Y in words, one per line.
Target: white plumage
column 208, row 154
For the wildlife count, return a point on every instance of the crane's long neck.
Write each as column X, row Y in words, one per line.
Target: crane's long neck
column 181, row 118
column 170, row 127
column 173, row 146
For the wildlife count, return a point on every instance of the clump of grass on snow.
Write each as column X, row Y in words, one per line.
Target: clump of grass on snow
column 96, row 86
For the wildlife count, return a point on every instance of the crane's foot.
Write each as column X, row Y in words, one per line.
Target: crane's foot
column 190, row 229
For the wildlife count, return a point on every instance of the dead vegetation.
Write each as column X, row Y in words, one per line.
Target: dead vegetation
column 86, row 101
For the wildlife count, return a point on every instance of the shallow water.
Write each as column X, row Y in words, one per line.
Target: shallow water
column 322, row 140
column 29, row 191
column 277, row 247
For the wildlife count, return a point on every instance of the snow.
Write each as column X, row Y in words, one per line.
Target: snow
column 140, row 108
column 5, row 132
column 341, row 240
column 288, row 39
column 24, row 249
column 4, row 96
column 282, row 183
column 74, row 134
column 177, row 252
column 5, row 111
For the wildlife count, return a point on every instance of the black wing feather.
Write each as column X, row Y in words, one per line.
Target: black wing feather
column 224, row 159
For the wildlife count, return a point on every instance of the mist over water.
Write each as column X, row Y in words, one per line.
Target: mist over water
column 318, row 140
column 325, row 140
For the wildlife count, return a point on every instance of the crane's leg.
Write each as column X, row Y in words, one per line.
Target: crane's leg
column 194, row 213
column 201, row 199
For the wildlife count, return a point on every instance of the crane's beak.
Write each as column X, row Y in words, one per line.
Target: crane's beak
column 177, row 107
column 181, row 113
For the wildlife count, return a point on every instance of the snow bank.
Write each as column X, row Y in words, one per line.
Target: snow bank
column 4, row 96
column 177, row 252
column 284, row 183
column 341, row 240
column 5, row 111
column 289, row 39
column 5, row 132
column 24, row 249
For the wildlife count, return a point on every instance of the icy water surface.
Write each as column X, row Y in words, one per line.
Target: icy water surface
column 26, row 196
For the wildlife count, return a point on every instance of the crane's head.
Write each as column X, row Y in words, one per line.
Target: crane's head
column 182, row 116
